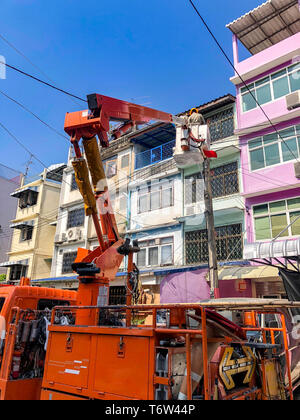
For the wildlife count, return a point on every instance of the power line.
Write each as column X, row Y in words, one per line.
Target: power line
column 238, row 74
column 29, row 61
column 42, row 81
column 21, row 144
column 34, row 115
column 23, row 55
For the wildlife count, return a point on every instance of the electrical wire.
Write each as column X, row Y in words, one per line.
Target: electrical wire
column 238, row 74
column 42, row 81
column 26, row 74
column 23, row 55
column 35, row 116
column 21, row 144
column 29, row 61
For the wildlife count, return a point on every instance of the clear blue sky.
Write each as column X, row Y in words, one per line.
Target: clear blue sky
column 156, row 52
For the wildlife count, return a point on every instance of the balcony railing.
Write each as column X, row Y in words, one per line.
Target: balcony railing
column 156, row 155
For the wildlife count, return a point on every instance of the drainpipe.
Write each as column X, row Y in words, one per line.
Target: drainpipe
column 236, row 49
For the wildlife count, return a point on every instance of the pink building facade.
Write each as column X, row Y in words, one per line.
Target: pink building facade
column 267, row 125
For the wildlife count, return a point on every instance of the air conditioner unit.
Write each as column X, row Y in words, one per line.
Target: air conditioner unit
column 72, row 235
column 293, row 100
column 193, row 209
column 60, row 238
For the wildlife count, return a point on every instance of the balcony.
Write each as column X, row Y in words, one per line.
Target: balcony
column 156, row 155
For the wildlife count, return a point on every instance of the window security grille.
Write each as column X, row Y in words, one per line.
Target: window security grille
column 221, row 125
column 224, row 182
column 76, row 218
column 229, row 242
column 68, row 259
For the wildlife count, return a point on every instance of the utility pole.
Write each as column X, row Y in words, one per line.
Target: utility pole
column 210, row 225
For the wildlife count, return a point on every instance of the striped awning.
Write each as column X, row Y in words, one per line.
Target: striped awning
column 12, row 263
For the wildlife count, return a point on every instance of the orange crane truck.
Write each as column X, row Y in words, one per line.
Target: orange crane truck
column 158, row 352
column 89, row 350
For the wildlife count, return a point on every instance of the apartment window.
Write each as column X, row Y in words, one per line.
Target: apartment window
column 156, row 252
column 122, row 202
column 224, row 182
column 17, row 272
column 124, row 161
column 26, row 233
column 68, row 260
column 75, row 218
column 271, row 219
column 221, row 125
column 156, row 196
column 111, row 167
column 28, row 199
column 194, row 188
column 275, row 148
column 272, row 87
column 229, row 243
column 74, row 185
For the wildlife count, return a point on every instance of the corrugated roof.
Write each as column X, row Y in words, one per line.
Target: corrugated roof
column 267, row 24
column 211, row 105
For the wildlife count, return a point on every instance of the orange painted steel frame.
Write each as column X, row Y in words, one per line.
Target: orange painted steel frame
column 86, row 125
column 18, row 298
column 282, row 330
column 120, row 361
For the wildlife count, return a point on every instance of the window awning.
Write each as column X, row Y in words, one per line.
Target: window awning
column 12, row 263
column 267, row 24
column 55, row 172
column 21, row 225
column 19, row 192
column 154, row 135
column 274, row 249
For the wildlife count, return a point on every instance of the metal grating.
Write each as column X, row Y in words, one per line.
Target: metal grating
column 68, row 259
column 221, row 125
column 225, row 180
column 229, row 242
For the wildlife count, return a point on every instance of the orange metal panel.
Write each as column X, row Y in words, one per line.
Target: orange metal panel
column 57, row 396
column 122, row 366
column 25, row 389
column 68, row 361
